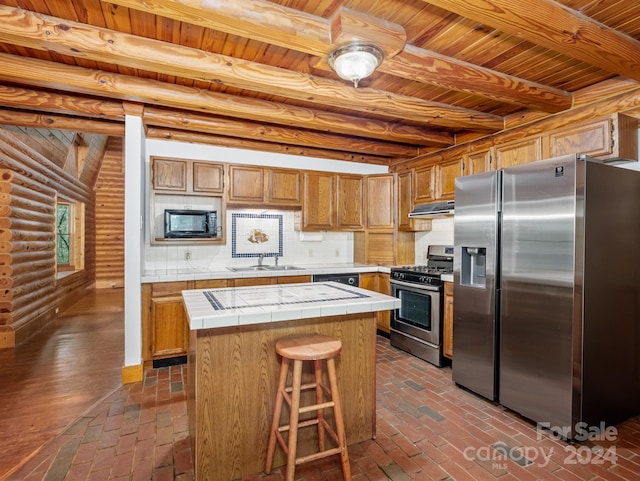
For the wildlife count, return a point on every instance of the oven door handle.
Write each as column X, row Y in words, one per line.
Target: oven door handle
column 417, row 287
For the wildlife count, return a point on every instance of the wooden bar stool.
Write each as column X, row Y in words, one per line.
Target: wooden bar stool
column 316, row 348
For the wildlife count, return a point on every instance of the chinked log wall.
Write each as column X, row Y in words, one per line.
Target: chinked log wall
column 109, row 218
column 29, row 291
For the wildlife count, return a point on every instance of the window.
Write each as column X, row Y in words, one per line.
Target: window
column 63, row 235
column 69, row 236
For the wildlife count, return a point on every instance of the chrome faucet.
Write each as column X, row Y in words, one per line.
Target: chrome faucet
column 261, row 258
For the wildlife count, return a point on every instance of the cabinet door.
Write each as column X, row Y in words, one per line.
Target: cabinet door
column 611, row 136
column 380, row 201
column 349, row 204
column 246, row 184
column 252, row 281
column 169, row 174
column 208, row 177
column 423, row 188
column 477, row 163
column 318, row 210
column 522, row 152
column 169, row 327
column 446, row 178
column 405, row 205
column 283, row 187
column 447, row 342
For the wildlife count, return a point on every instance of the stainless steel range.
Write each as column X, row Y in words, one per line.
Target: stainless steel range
column 416, row 327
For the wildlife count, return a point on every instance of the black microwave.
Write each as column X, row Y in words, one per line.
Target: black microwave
column 190, row 224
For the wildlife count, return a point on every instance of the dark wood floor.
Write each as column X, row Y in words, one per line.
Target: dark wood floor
column 69, row 366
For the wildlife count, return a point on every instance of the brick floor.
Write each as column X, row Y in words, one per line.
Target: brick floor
column 427, row 429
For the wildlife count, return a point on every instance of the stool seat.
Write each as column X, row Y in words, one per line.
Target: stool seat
column 308, row 347
column 296, row 350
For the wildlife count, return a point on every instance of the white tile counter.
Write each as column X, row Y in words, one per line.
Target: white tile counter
column 202, row 273
column 237, row 306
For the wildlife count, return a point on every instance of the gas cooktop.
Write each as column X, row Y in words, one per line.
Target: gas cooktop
column 429, row 270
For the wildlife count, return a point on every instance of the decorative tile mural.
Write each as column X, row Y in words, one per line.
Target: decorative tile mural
column 256, row 234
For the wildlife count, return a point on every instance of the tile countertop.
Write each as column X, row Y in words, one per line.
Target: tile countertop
column 227, row 307
column 201, row 273
column 447, row 277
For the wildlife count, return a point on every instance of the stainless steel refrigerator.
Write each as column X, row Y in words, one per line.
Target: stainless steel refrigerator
column 547, row 290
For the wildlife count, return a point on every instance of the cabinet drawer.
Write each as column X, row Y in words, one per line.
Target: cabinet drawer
column 164, row 289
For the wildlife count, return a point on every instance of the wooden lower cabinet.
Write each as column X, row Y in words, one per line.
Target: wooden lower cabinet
column 447, row 343
column 378, row 282
column 165, row 329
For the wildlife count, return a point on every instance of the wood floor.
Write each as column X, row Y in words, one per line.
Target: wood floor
column 65, row 369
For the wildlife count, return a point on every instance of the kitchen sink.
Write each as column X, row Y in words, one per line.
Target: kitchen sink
column 263, row 268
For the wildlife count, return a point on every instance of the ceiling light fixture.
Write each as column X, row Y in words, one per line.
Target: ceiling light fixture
column 355, row 61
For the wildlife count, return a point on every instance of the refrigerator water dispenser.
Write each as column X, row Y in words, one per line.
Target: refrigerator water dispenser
column 473, row 270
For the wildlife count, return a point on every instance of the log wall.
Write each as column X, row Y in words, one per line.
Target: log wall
column 30, row 294
column 110, row 217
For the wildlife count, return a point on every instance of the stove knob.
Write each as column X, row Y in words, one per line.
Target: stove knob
column 423, row 279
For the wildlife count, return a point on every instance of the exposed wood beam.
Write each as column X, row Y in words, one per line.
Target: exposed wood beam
column 40, row 73
column 556, row 27
column 42, row 32
column 271, row 133
column 40, row 100
column 191, row 137
column 289, row 28
column 47, row 121
column 298, row 30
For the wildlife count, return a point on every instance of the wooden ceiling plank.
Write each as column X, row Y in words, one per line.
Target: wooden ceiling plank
column 79, row 40
column 40, row 73
column 191, row 137
column 271, row 133
column 556, row 27
column 430, row 67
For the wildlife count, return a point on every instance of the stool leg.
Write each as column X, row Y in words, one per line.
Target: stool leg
column 337, row 410
column 317, row 364
column 275, row 423
column 293, row 419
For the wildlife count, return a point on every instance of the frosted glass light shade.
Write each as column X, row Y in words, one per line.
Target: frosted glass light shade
column 355, row 62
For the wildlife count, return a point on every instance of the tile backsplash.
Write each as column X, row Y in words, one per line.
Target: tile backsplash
column 327, row 248
column 441, row 233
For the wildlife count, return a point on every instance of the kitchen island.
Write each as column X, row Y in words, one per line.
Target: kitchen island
column 233, row 367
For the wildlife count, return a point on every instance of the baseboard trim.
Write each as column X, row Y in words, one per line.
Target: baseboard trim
column 132, row 374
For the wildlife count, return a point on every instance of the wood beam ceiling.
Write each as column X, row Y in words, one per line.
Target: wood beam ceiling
column 290, row 28
column 41, row 32
column 556, row 27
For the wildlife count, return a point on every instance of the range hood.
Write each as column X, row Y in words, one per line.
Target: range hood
column 433, row 209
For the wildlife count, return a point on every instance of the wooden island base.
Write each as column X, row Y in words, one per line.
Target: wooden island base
column 232, row 379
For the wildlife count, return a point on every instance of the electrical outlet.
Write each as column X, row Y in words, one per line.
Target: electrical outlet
column 310, row 253
column 187, row 255
column 337, row 252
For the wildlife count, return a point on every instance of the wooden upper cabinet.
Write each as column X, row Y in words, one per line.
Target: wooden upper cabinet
column 380, row 201
column 349, row 202
column 446, row 174
column 520, row 152
column 607, row 137
column 283, row 187
column 423, row 184
column 246, row 184
column 405, row 205
column 478, row 162
column 208, row 177
column 169, row 174
column 318, row 211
